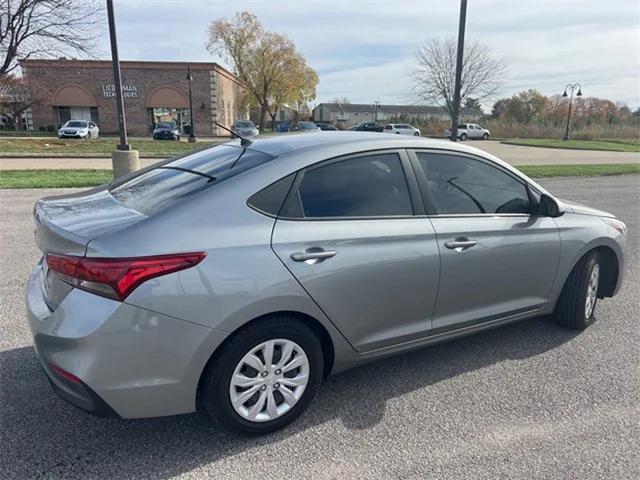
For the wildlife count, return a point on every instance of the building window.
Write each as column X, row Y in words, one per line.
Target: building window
column 78, row 113
column 179, row 116
column 64, row 115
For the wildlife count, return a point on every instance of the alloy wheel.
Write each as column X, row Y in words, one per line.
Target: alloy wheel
column 592, row 291
column 269, row 380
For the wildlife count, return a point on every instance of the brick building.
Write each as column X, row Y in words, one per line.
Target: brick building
column 153, row 92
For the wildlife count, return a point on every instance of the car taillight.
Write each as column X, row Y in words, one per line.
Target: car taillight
column 117, row 277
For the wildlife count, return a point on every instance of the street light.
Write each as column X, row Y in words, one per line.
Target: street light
column 376, row 107
column 571, row 87
column 124, row 160
column 192, row 135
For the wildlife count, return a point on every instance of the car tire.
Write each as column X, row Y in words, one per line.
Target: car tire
column 463, row 137
column 416, row 134
column 577, row 303
column 216, row 389
column 485, row 136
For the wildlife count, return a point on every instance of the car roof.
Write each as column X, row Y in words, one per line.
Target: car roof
column 277, row 145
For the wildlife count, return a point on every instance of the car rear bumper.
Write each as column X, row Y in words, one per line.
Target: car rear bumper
column 115, row 359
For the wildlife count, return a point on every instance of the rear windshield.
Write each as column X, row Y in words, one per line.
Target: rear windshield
column 244, row 124
column 163, row 185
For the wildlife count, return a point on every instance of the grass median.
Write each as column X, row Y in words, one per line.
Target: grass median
column 630, row 145
column 98, row 147
column 90, row 178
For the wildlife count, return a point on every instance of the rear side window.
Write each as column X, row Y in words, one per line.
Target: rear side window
column 270, row 199
column 367, row 186
column 152, row 190
column 462, row 185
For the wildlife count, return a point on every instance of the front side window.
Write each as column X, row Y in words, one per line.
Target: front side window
column 367, row 186
column 462, row 185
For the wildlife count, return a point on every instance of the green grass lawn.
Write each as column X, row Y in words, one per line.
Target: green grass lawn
column 90, row 178
column 541, row 171
column 625, row 145
column 100, row 147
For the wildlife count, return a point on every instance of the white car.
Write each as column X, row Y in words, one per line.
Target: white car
column 472, row 131
column 401, row 129
column 79, row 129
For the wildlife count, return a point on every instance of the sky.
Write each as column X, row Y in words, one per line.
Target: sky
column 364, row 49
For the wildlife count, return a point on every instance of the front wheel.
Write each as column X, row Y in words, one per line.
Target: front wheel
column 416, row 134
column 264, row 377
column 577, row 303
column 485, row 136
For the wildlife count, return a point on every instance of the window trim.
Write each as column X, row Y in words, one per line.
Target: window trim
column 415, row 198
column 427, row 196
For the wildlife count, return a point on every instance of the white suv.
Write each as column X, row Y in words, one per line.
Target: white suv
column 401, row 128
column 471, row 131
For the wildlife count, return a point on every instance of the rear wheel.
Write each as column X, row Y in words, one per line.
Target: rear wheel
column 463, row 137
column 577, row 303
column 264, row 378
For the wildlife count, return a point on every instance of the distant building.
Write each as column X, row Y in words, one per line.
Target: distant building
column 153, row 92
column 349, row 114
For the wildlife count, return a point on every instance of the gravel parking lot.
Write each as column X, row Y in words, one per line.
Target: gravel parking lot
column 531, row 400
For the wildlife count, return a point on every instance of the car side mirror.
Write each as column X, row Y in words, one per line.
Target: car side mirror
column 548, row 207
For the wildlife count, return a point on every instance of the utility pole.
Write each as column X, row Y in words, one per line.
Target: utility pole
column 124, row 159
column 460, row 57
column 192, row 135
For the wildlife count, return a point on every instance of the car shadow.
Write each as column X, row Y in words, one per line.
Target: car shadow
column 44, row 437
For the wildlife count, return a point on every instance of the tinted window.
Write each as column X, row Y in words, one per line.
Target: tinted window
column 152, row 190
column 270, row 199
column 463, row 126
column 461, row 185
column 366, row 186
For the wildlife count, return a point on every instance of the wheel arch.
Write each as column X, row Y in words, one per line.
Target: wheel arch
column 326, row 342
column 610, row 266
column 609, row 261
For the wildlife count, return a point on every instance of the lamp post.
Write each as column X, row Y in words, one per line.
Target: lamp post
column 460, row 56
column 124, row 159
column 571, row 87
column 192, row 135
column 376, row 107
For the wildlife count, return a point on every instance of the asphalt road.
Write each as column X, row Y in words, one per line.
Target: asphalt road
column 531, row 400
column 513, row 154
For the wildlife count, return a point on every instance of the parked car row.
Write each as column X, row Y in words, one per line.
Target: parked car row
column 246, row 128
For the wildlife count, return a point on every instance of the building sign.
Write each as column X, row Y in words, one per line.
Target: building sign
column 128, row 91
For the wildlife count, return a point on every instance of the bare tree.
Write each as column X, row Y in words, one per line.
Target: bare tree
column 17, row 95
column 36, row 28
column 435, row 72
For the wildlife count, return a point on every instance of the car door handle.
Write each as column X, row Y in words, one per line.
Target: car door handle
column 318, row 254
column 460, row 244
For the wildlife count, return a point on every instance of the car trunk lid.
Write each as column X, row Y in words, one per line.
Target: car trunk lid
column 65, row 224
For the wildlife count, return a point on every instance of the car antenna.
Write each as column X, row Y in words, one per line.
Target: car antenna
column 244, row 141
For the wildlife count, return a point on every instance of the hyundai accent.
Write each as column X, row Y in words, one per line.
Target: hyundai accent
column 234, row 278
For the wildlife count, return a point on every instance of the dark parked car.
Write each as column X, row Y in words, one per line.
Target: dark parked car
column 369, row 127
column 166, row 131
column 326, row 126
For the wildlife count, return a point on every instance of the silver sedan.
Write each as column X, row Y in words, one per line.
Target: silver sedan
column 235, row 278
